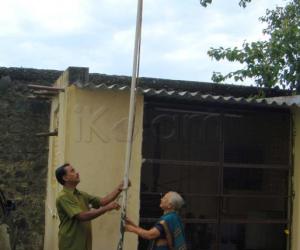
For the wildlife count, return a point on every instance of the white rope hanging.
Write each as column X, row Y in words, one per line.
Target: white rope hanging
column 131, row 117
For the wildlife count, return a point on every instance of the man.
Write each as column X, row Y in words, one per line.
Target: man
column 73, row 207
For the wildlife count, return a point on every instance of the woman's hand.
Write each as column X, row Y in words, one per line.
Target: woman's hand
column 150, row 234
column 130, row 222
column 130, row 228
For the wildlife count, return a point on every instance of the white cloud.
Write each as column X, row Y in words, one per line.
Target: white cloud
column 43, row 16
column 100, row 34
column 182, row 55
column 123, row 39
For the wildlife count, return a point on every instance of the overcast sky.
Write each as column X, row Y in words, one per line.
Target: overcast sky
column 99, row 34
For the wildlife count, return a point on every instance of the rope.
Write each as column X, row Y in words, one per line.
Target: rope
column 131, row 118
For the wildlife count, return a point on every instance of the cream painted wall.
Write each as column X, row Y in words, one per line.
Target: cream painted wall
column 51, row 222
column 296, row 182
column 95, row 126
column 56, row 158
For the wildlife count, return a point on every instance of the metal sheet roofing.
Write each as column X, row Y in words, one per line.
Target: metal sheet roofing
column 279, row 102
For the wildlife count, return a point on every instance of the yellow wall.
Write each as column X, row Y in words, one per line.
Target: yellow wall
column 56, row 157
column 94, row 126
column 296, row 182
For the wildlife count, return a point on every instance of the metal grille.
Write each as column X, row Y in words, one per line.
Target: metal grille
column 232, row 166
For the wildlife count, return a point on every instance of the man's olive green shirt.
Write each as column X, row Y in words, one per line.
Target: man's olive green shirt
column 74, row 234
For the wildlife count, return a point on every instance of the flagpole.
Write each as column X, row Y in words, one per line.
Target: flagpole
column 129, row 141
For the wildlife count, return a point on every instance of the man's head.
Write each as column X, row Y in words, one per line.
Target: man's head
column 66, row 174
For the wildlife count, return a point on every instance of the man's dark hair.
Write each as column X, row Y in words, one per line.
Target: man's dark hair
column 60, row 172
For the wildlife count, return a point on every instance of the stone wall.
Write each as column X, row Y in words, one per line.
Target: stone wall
column 23, row 156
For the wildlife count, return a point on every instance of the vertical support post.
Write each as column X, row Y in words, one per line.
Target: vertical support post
column 135, row 72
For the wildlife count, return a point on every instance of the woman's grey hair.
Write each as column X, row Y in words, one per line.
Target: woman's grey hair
column 176, row 200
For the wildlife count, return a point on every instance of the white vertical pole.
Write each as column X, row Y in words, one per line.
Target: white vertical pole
column 131, row 116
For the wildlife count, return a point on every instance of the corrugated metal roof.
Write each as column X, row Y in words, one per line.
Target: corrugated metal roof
column 280, row 102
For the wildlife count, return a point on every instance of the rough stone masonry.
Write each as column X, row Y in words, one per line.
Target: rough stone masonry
column 23, row 156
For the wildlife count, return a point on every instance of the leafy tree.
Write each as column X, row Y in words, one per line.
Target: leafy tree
column 274, row 62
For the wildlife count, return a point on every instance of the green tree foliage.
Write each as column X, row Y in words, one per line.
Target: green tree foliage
column 274, row 62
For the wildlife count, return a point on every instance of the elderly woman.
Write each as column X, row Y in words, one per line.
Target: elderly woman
column 167, row 233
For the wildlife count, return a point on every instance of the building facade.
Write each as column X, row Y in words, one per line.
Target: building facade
column 234, row 159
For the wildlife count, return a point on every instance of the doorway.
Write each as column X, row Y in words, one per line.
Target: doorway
column 231, row 165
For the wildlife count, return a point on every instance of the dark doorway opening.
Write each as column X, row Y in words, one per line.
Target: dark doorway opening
column 232, row 166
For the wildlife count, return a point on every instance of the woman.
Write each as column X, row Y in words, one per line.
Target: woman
column 167, row 233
